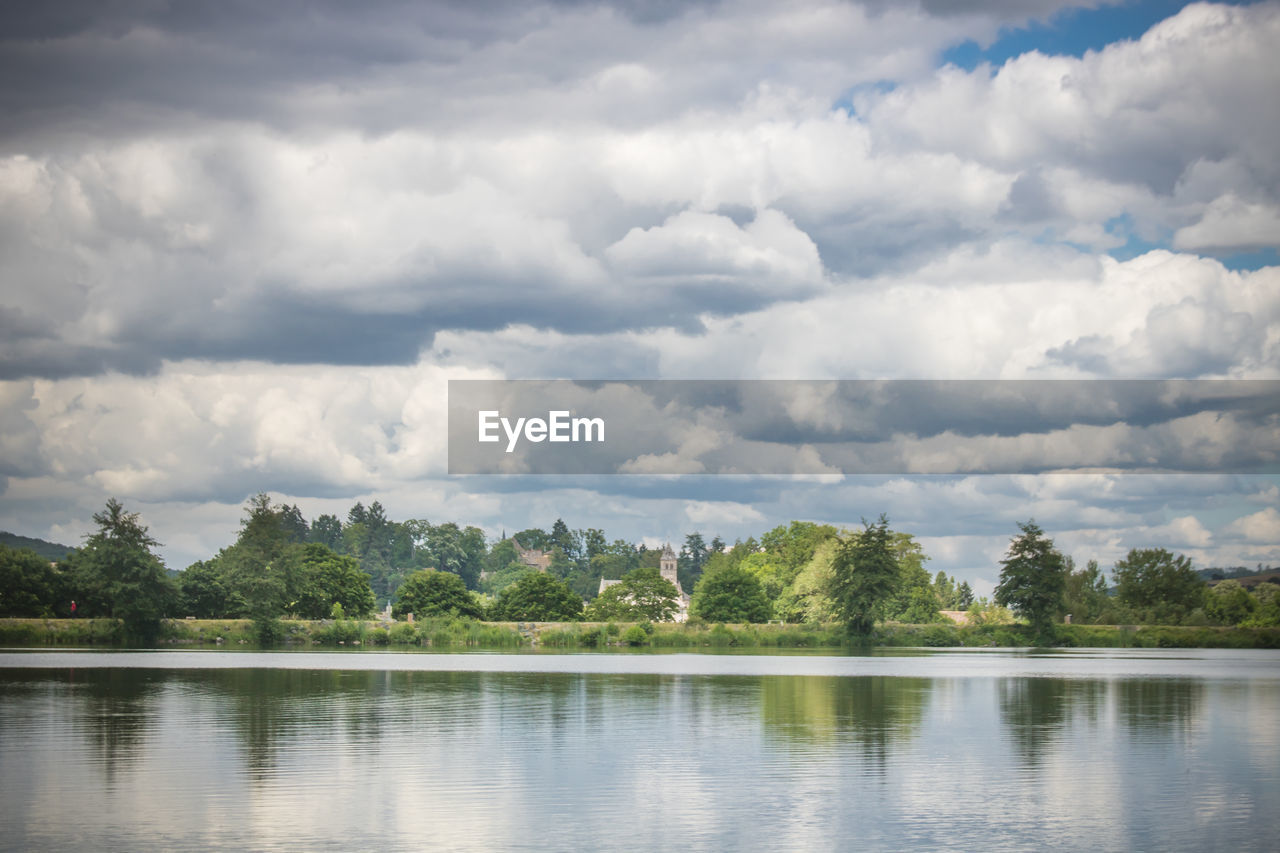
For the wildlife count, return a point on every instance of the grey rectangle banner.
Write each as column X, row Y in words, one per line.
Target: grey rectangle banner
column 800, row 427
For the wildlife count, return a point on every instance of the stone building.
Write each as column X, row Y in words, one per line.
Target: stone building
column 532, row 557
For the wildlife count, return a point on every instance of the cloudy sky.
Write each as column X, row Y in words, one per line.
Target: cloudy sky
column 244, row 246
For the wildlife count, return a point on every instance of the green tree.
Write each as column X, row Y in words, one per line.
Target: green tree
column 453, row 549
column 1229, row 603
column 864, row 574
column 593, row 545
column 794, row 544
column 921, row 608
column 1085, row 594
column 495, row 583
column 250, row 568
column 562, row 565
column 316, row 579
column 808, row 599
column 435, row 593
column 964, row 596
column 327, row 530
column 691, row 560
column 730, row 594
column 264, row 532
column 1032, row 579
column 295, row 526
column 612, row 564
column 534, row 538
column 538, row 597
column 131, row 577
column 202, row 591
column 29, row 585
column 1267, row 612
column 944, row 588
column 785, row 552
column 501, row 555
column 770, row 571
column 564, row 539
column 1158, row 586
column 642, row 594
column 909, row 600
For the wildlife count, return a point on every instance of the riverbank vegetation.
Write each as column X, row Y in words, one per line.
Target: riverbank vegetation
column 284, row 580
column 456, row 634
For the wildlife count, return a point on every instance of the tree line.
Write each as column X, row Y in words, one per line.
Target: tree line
column 282, row 566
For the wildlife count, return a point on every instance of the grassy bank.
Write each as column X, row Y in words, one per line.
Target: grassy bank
column 1078, row 636
column 431, row 633
column 464, row 633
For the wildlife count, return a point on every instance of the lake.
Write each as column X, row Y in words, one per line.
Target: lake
column 956, row 749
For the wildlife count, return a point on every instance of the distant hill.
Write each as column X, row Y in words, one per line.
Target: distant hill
column 1246, row 577
column 48, row 550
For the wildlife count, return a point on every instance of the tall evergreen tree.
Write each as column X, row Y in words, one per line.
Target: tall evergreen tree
column 865, row 573
column 691, row 560
column 130, row 578
column 327, row 530
column 1033, row 579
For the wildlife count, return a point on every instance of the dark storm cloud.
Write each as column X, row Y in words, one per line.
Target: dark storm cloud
column 284, row 327
column 90, row 64
column 226, row 58
column 114, row 67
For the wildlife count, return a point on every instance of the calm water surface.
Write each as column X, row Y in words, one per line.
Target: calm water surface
column 1111, row 750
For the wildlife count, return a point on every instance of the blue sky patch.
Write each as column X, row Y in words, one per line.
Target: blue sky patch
column 1072, row 32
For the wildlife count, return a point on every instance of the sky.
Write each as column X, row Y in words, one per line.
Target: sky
column 244, row 247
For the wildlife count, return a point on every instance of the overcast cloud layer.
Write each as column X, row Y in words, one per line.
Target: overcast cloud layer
column 244, row 246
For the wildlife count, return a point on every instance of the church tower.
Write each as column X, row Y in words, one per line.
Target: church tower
column 667, row 565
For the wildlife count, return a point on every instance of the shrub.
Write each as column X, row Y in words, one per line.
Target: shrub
column 720, row 635
column 403, row 634
column 345, row 632
column 592, row 637
column 268, row 631
column 938, row 636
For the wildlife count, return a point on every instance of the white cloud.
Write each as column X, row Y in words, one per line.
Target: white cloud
column 704, row 248
column 716, row 513
column 198, row 431
column 1158, row 315
column 1184, row 532
column 1262, row 527
column 1186, row 108
column 1230, row 222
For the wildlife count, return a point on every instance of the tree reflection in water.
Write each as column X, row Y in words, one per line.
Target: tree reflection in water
column 1038, row 711
column 873, row 713
column 1035, row 711
column 115, row 713
column 1163, row 709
